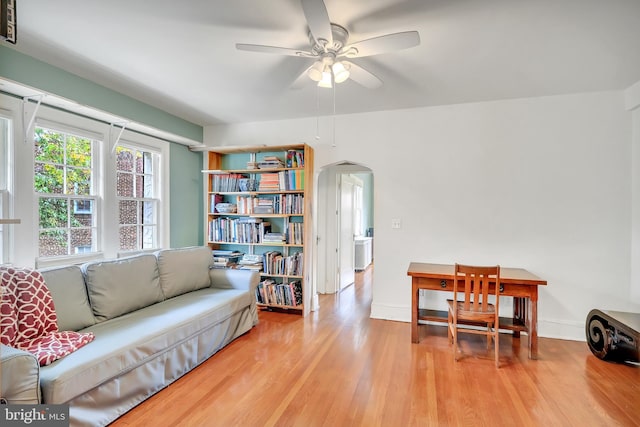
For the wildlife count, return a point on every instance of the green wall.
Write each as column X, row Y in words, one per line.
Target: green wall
column 186, row 189
column 367, row 198
column 37, row 74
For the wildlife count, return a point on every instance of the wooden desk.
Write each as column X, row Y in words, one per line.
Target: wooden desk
column 515, row 282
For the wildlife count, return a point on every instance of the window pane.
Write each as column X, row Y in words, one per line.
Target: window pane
column 128, row 238
column 144, row 186
column 147, row 212
column 63, row 167
column 78, row 151
column 53, row 243
column 128, row 212
column 148, row 237
column 138, row 214
column 82, row 215
column 124, row 185
column 144, row 162
column 53, row 212
column 124, row 159
column 79, row 181
column 48, row 178
column 49, row 146
column 81, row 239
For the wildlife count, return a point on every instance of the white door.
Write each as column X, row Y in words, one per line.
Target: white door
column 346, row 229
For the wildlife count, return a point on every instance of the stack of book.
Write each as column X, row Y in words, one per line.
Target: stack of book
column 225, row 258
column 251, row 262
column 245, row 204
column 272, row 293
column 270, row 162
column 273, row 238
column 290, row 204
column 269, row 182
column 251, row 230
column 291, row 179
column 263, row 206
column 295, row 233
column 295, row 159
column 277, row 264
column 238, row 230
column 225, row 182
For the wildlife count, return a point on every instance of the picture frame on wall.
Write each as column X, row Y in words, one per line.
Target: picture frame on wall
column 8, row 31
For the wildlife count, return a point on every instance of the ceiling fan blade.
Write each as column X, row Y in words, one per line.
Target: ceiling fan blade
column 381, row 44
column 317, row 17
column 302, row 80
column 274, row 50
column 362, row 76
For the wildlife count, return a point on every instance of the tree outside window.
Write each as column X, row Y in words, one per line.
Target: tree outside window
column 63, row 180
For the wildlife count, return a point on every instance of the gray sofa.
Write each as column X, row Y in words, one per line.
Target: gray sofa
column 155, row 317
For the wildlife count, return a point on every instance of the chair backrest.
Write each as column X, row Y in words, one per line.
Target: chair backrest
column 476, row 286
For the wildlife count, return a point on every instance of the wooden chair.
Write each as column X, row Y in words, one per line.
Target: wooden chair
column 473, row 283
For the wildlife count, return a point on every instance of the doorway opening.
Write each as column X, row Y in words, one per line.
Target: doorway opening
column 344, row 226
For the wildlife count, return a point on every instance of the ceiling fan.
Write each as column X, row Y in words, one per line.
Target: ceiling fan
column 331, row 51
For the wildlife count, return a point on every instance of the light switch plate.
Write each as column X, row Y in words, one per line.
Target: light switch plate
column 395, row 223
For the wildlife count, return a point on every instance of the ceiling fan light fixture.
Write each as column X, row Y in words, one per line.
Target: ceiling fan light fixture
column 315, row 71
column 340, row 72
column 327, row 78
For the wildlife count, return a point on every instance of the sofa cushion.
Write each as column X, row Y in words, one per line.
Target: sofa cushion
column 69, row 293
column 138, row 338
column 184, row 270
column 121, row 286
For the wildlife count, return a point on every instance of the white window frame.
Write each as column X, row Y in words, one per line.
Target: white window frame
column 157, row 173
column 23, row 200
column 5, row 188
column 94, row 195
column 64, row 121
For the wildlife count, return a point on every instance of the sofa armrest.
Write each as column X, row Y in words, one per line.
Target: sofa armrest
column 20, row 376
column 227, row 278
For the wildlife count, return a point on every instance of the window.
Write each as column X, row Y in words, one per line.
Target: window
column 65, row 188
column 137, row 178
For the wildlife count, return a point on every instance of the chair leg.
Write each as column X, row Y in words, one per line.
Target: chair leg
column 455, row 343
column 497, row 346
column 488, row 336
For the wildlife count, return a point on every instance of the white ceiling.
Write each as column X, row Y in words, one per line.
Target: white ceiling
column 180, row 56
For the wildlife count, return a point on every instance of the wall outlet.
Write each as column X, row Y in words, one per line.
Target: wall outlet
column 395, row 223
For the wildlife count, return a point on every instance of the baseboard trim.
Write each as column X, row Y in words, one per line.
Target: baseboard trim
column 547, row 328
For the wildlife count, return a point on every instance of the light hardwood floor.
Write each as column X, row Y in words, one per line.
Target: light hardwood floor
column 338, row 367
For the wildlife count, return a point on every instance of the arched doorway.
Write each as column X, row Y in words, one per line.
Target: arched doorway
column 344, row 213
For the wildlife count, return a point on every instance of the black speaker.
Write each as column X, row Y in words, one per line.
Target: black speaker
column 8, row 20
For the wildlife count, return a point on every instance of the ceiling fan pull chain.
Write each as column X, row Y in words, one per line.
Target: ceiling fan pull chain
column 317, row 113
column 333, row 117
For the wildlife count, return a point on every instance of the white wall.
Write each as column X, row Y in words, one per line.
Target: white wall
column 632, row 103
column 548, row 181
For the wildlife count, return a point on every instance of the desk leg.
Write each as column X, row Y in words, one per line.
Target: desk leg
column 415, row 300
column 533, row 327
column 517, row 314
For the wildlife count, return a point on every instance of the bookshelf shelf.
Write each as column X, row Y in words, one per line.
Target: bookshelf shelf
column 284, row 276
column 255, row 215
column 248, row 171
column 256, row 193
column 272, row 244
column 271, row 188
column 282, row 307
